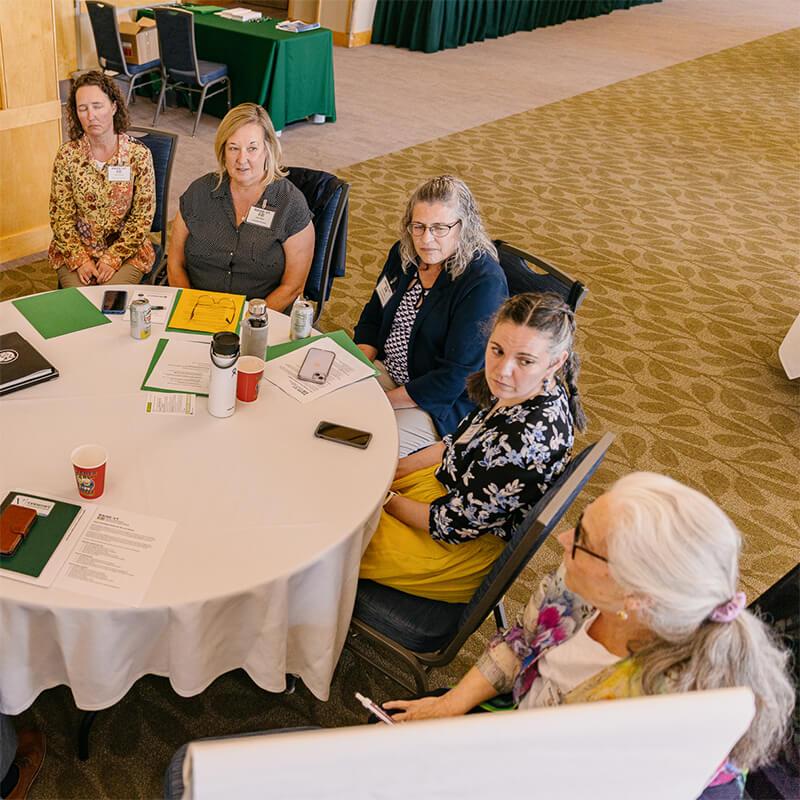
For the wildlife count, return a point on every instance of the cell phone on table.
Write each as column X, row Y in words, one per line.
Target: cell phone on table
column 115, row 301
column 334, row 432
column 316, row 365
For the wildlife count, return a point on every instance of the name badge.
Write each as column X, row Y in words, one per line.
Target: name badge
column 119, row 174
column 260, row 216
column 384, row 291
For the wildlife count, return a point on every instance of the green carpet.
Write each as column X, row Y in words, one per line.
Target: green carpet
column 675, row 197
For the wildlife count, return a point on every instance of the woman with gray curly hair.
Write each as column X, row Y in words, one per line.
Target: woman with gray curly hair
column 424, row 323
column 645, row 602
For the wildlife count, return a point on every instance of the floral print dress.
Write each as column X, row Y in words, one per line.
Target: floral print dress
column 92, row 216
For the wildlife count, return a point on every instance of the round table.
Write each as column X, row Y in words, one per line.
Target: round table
column 261, row 570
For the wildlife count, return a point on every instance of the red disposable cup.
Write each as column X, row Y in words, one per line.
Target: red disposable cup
column 89, row 462
column 251, row 369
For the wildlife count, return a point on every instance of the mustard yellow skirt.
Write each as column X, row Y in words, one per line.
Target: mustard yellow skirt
column 409, row 560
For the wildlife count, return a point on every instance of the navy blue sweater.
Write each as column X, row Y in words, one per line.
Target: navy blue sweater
column 448, row 339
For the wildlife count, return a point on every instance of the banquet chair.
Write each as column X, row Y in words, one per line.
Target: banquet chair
column 162, row 146
column 328, row 198
column 180, row 67
column 424, row 633
column 522, row 277
column 103, row 18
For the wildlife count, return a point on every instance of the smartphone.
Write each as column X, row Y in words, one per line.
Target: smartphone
column 341, row 433
column 316, row 365
column 115, row 301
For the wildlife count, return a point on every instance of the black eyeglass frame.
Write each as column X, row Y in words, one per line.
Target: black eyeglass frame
column 410, row 229
column 576, row 538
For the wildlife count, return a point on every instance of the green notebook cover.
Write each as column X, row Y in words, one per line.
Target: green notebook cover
column 340, row 337
column 59, row 312
column 162, row 343
column 45, row 535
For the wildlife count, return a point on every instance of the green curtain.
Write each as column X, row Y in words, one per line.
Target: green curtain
column 432, row 25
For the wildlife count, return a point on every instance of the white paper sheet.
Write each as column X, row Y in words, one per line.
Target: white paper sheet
column 346, row 369
column 184, row 366
column 172, row 403
column 116, row 556
column 160, row 302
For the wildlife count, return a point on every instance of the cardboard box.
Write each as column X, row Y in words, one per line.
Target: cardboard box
column 139, row 40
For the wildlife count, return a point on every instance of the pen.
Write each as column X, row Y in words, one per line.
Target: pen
column 157, row 308
column 375, row 709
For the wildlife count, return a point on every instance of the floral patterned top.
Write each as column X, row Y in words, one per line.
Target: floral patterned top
column 496, row 467
column 92, row 216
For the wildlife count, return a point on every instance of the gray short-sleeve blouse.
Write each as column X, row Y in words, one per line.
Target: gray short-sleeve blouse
column 248, row 259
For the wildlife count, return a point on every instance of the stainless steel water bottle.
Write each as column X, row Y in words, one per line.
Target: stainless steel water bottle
column 222, row 379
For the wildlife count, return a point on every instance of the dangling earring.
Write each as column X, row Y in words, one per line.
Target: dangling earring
column 548, row 384
column 622, row 614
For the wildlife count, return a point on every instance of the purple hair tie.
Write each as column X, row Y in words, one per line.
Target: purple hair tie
column 727, row 612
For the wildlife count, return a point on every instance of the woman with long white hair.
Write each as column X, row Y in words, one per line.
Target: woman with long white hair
column 645, row 602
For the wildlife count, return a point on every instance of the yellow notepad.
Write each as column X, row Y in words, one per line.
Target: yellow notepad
column 206, row 312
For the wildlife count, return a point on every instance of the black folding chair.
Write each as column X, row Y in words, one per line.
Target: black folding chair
column 522, row 275
column 429, row 633
column 328, row 198
column 180, row 67
column 103, row 18
column 162, row 146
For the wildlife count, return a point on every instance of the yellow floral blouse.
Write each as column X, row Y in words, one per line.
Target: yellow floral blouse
column 92, row 216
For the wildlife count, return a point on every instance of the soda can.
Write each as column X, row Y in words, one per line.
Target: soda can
column 140, row 319
column 301, row 320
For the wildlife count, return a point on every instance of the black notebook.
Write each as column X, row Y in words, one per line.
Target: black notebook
column 21, row 364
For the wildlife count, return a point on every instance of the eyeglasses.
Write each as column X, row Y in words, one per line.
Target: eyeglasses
column 438, row 229
column 211, row 310
column 576, row 542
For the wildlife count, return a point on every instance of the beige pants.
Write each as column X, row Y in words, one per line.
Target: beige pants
column 414, row 425
column 125, row 274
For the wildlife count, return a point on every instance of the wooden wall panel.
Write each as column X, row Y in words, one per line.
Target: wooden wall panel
column 30, row 124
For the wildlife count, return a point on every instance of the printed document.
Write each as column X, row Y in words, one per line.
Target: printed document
column 346, row 369
column 160, row 304
column 182, row 366
column 116, row 556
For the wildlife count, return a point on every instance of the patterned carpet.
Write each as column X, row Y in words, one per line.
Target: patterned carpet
column 675, row 196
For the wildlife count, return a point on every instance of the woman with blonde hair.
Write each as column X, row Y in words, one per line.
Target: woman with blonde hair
column 424, row 323
column 645, row 602
column 244, row 229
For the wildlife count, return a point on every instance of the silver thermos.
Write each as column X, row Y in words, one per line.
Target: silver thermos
column 222, row 380
column 255, row 330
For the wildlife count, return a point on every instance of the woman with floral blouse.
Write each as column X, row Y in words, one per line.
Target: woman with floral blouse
column 102, row 198
column 455, row 504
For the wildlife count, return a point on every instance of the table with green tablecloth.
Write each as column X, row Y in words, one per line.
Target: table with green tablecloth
column 290, row 74
column 431, row 25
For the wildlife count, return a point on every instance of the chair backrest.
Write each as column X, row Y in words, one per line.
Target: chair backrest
column 176, row 45
column 328, row 198
column 162, row 146
column 103, row 18
column 522, row 277
column 529, row 536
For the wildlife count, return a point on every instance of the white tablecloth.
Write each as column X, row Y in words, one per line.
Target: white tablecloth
column 261, row 571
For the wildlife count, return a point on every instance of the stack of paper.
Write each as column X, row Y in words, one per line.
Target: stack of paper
column 240, row 14
column 296, row 26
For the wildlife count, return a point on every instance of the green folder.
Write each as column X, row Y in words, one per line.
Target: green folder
column 59, row 312
column 45, row 535
column 340, row 337
column 162, row 343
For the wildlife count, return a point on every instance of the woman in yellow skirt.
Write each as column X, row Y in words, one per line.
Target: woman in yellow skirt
column 455, row 504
